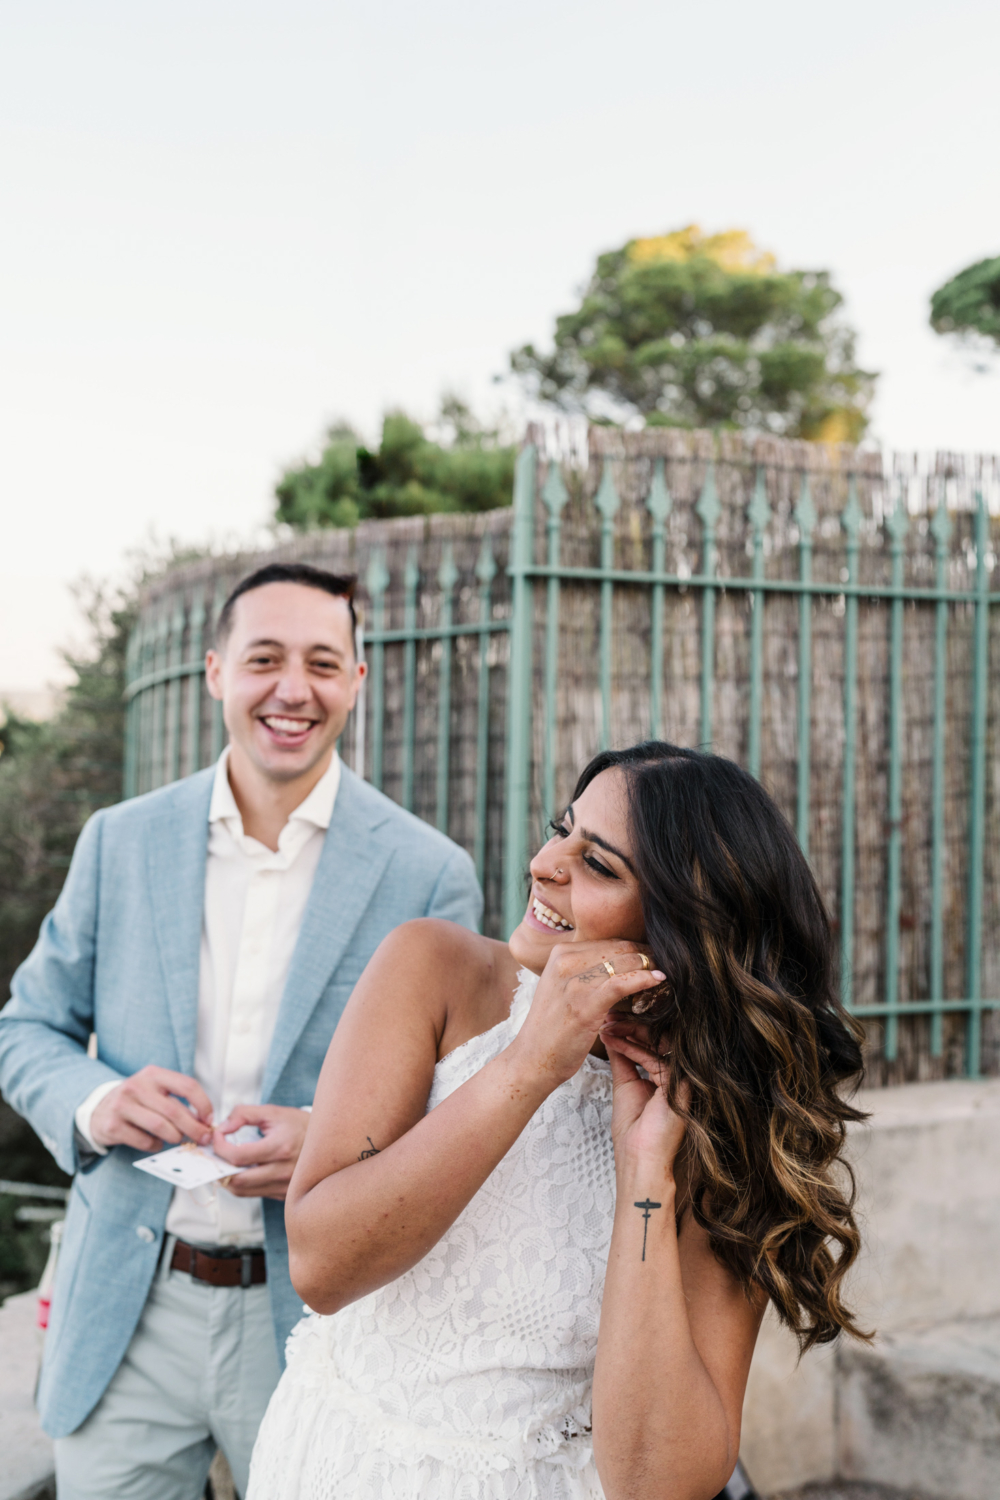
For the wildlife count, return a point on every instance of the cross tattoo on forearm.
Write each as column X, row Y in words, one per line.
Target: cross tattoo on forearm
column 647, row 1207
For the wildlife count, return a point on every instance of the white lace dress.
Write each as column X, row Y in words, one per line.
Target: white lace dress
column 468, row 1378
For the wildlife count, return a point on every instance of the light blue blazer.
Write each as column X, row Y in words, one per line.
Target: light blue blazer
column 119, row 955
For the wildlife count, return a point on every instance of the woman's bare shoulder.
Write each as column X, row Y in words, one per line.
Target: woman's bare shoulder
column 466, row 980
column 434, row 940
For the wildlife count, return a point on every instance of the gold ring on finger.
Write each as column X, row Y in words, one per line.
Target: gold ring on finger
column 609, row 966
column 645, row 961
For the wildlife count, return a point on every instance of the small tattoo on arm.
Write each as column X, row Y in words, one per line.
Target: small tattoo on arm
column 374, row 1151
column 647, row 1207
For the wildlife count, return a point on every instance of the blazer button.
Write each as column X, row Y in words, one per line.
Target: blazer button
column 145, row 1234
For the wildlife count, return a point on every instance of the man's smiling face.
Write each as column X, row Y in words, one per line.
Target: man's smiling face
column 287, row 677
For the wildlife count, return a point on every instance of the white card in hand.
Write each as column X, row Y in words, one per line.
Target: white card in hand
column 187, row 1166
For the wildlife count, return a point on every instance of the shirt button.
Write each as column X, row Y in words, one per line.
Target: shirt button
column 145, row 1234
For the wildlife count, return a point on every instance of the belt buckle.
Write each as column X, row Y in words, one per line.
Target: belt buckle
column 246, row 1269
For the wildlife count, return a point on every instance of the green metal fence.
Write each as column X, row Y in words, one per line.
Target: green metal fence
column 899, row 596
column 821, row 620
column 443, row 635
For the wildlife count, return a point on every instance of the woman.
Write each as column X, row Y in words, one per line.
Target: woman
column 539, row 1274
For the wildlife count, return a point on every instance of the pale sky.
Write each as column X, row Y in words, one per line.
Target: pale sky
column 227, row 222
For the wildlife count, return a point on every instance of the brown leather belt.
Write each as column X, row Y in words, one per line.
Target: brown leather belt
column 239, row 1268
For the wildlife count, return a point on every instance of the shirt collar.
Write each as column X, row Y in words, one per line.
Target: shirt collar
column 316, row 809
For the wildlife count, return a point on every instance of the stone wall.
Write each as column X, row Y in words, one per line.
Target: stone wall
column 928, row 1165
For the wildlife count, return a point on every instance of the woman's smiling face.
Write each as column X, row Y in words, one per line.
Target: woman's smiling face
column 583, row 885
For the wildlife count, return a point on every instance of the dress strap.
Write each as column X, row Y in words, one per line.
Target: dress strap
column 460, row 1065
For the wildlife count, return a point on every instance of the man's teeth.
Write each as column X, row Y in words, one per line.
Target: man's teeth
column 548, row 917
column 287, row 726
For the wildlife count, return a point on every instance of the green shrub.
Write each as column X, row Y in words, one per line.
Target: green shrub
column 409, row 474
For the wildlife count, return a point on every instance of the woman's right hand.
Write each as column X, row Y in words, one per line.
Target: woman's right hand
column 575, row 993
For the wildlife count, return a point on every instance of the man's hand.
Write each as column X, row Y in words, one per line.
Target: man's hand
column 271, row 1161
column 146, row 1111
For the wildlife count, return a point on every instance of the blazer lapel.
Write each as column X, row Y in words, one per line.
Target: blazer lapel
column 176, row 852
column 350, row 867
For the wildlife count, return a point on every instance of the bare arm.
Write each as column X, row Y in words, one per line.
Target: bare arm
column 379, row 1181
column 677, row 1334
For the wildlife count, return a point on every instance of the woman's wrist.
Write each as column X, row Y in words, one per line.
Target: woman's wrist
column 641, row 1175
column 538, row 1069
column 525, row 1075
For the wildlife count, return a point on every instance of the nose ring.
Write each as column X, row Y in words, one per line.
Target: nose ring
column 559, row 869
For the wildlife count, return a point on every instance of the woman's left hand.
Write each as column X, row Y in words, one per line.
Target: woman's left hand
column 644, row 1129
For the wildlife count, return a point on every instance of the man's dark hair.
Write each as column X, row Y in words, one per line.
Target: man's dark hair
column 340, row 585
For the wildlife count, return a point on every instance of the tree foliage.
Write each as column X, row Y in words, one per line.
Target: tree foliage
column 409, row 473
column 53, row 775
column 969, row 304
column 705, row 331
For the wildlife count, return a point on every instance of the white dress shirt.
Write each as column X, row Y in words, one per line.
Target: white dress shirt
column 255, row 900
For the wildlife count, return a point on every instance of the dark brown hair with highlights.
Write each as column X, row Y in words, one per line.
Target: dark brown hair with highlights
column 750, row 1013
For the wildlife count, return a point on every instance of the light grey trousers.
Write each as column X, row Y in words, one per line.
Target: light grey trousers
column 197, row 1376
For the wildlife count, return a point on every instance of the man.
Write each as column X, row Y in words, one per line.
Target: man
column 209, row 934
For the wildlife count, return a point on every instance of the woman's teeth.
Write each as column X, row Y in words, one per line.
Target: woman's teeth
column 548, row 917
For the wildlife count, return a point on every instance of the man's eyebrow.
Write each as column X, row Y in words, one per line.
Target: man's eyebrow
column 281, row 646
column 595, row 838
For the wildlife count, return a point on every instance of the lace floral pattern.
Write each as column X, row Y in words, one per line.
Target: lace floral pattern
column 468, row 1378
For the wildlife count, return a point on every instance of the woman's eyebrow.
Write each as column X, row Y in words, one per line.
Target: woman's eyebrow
column 595, row 838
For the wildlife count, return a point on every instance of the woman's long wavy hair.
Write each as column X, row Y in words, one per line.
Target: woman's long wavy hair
column 751, row 1016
